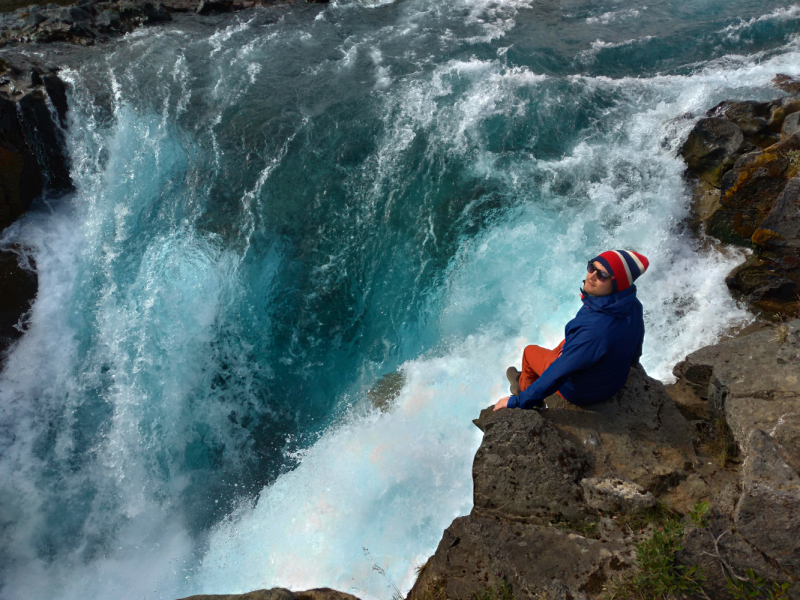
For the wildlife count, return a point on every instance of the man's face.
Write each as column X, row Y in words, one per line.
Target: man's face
column 593, row 286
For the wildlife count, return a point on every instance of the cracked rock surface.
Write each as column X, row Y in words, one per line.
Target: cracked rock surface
column 752, row 383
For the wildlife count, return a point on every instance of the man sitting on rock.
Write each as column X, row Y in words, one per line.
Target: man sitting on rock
column 601, row 342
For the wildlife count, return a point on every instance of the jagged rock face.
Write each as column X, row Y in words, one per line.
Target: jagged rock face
column 753, row 383
column 33, row 159
column 18, row 287
column 749, row 192
column 565, row 464
column 524, row 467
column 280, row 594
column 737, row 150
column 32, row 149
column 483, row 552
column 83, row 23
column 638, row 435
column 712, row 148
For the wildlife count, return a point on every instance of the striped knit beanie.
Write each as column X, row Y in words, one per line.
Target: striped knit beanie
column 624, row 265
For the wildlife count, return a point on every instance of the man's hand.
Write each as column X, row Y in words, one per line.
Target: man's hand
column 502, row 403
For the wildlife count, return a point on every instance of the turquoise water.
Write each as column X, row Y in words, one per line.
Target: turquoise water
column 275, row 209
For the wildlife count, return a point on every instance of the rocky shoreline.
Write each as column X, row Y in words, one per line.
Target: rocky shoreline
column 700, row 478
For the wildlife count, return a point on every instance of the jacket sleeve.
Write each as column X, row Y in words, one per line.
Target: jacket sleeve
column 581, row 350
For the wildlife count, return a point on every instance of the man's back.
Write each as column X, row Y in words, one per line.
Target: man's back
column 608, row 332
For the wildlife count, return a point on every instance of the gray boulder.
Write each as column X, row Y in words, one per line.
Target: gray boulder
column 484, row 553
column 524, row 467
column 791, row 125
column 752, row 381
column 768, row 512
column 782, row 225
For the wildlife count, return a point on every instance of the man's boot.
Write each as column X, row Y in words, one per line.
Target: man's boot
column 513, row 379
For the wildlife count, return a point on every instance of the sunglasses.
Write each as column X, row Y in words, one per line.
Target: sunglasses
column 601, row 275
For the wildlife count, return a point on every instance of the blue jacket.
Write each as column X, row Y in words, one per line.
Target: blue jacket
column 602, row 342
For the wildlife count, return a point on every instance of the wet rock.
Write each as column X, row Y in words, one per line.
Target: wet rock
column 782, row 109
column 18, row 287
column 712, row 148
column 766, row 284
column 279, row 594
column 786, row 83
column 781, row 228
column 32, row 148
column 749, row 192
column 206, row 7
column 386, row 390
column 84, row 23
column 753, row 118
column 616, row 495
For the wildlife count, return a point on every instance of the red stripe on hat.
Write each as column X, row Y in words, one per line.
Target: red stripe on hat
column 618, row 270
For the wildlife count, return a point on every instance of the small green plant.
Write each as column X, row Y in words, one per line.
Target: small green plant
column 699, row 514
column 658, row 576
column 753, row 586
column 640, row 521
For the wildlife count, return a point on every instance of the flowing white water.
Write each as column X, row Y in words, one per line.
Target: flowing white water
column 187, row 412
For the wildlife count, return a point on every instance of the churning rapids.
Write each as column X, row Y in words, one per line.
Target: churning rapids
column 277, row 209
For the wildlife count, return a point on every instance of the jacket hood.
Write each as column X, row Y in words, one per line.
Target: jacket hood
column 619, row 305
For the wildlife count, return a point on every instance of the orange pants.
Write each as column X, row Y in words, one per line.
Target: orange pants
column 535, row 360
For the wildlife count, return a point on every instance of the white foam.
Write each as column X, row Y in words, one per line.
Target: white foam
column 734, row 30
column 615, row 15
